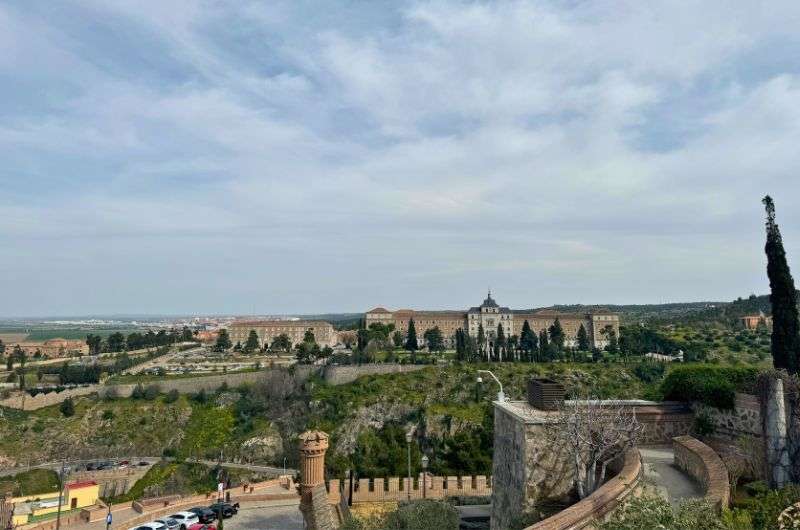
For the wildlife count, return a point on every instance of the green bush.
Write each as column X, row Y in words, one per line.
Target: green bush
column 765, row 508
column 648, row 513
column 703, row 424
column 649, row 372
column 712, row 385
column 423, row 515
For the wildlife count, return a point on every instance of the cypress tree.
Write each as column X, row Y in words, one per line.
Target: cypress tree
column 500, row 343
column 544, row 346
column 583, row 339
column 481, row 338
column 783, row 296
column 411, row 338
column 557, row 335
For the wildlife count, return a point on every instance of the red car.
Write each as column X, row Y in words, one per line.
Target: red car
column 201, row 526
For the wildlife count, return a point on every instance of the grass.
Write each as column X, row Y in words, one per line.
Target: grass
column 155, row 378
column 30, row 482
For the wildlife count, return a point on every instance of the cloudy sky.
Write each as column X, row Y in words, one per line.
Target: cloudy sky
column 306, row 156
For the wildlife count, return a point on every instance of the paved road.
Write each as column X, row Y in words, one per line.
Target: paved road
column 56, row 466
column 267, row 517
column 668, row 481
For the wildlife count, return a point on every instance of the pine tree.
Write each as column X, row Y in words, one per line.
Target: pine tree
column 557, row 335
column 411, row 338
column 544, row 346
column 481, row 338
column 583, row 339
column 252, row 342
column 223, row 340
column 783, row 296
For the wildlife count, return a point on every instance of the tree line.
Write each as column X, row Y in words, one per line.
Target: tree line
column 117, row 342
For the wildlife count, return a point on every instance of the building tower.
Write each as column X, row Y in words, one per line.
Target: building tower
column 313, row 445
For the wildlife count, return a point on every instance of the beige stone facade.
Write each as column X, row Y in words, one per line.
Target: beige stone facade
column 489, row 314
column 267, row 330
column 51, row 347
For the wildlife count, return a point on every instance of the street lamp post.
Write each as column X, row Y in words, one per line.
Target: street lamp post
column 409, row 437
column 424, row 462
column 501, row 396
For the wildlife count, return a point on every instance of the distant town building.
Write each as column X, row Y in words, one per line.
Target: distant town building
column 489, row 314
column 752, row 321
column 267, row 330
column 51, row 348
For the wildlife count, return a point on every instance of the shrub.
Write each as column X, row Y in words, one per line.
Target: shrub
column 107, row 415
column 703, row 424
column 647, row 513
column 67, row 407
column 711, row 385
column 423, row 515
column 172, row 396
column 151, row 392
column 649, row 372
column 138, row 392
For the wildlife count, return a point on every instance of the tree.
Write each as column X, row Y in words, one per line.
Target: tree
column 528, row 340
column 2, row 346
column 500, row 343
column 19, row 355
column 544, row 347
column 186, row 334
column 556, row 333
column 94, row 342
column 481, row 339
column 593, row 433
column 116, row 342
column 281, row 343
column 223, row 341
column 583, row 339
column 10, row 363
column 67, row 408
column 252, row 343
column 783, row 297
column 397, row 339
column 411, row 337
column 611, row 337
column 434, row 340
column 307, row 352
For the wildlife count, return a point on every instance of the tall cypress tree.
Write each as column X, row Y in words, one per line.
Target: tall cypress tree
column 411, row 339
column 583, row 339
column 500, row 343
column 481, row 338
column 783, row 296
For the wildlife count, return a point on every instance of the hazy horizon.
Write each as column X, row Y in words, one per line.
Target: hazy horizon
column 263, row 157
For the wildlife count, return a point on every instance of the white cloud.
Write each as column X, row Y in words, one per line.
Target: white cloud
column 524, row 139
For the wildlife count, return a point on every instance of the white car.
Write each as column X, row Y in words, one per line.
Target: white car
column 150, row 526
column 185, row 519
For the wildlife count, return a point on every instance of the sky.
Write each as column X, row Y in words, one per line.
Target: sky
column 191, row 157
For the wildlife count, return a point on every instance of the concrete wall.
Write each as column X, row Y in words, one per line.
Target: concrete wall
column 339, row 375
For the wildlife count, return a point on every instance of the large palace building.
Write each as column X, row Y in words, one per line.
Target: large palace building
column 490, row 314
column 267, row 330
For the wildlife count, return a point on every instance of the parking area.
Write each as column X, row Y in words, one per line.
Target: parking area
column 266, row 517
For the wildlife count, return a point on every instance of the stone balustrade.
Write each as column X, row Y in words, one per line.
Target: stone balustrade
column 702, row 463
column 602, row 502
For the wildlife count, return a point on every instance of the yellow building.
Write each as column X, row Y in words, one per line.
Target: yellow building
column 76, row 495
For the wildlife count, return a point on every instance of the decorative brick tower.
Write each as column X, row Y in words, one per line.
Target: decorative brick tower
column 313, row 445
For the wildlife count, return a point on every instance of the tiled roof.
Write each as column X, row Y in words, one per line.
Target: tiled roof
column 79, row 485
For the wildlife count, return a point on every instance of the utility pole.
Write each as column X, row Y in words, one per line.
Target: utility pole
column 60, row 494
column 409, row 437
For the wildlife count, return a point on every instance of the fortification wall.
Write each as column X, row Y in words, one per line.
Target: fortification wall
column 397, row 489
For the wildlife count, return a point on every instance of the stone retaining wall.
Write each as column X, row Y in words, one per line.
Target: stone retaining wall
column 397, row 489
column 342, row 374
column 600, row 504
column 703, row 464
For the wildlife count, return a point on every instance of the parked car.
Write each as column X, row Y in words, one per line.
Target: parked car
column 124, row 464
column 228, row 509
column 143, row 463
column 150, row 526
column 201, row 526
column 169, row 522
column 185, row 519
column 204, row 515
